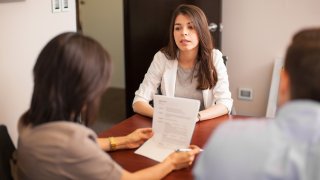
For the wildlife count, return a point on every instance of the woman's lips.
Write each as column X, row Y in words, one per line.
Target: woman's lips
column 184, row 41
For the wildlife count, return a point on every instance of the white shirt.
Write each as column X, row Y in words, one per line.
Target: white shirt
column 163, row 71
column 286, row 148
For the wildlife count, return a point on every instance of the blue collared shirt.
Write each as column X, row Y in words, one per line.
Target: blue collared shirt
column 287, row 147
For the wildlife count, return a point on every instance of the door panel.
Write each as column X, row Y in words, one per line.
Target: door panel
column 146, row 28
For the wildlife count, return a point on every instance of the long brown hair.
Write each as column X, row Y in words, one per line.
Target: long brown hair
column 207, row 74
column 70, row 75
column 302, row 63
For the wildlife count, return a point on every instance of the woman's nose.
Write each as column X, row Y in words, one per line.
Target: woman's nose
column 185, row 32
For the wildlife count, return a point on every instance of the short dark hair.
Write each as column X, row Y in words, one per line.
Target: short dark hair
column 302, row 64
column 207, row 74
column 72, row 72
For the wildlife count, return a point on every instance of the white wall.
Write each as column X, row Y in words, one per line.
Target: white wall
column 26, row 26
column 255, row 33
column 103, row 20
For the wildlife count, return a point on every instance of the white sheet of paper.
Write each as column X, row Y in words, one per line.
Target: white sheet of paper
column 173, row 125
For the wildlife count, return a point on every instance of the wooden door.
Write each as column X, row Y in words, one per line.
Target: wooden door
column 146, row 28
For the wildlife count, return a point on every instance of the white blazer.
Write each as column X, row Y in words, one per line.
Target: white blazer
column 164, row 71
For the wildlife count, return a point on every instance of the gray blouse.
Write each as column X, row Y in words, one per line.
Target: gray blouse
column 186, row 84
column 63, row 150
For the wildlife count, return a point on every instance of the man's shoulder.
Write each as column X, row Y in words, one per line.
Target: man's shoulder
column 245, row 137
column 244, row 126
column 233, row 144
column 246, row 131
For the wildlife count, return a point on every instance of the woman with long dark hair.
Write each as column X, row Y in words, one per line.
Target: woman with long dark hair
column 187, row 67
column 70, row 76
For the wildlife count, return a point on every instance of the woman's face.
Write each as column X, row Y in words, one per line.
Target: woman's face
column 185, row 35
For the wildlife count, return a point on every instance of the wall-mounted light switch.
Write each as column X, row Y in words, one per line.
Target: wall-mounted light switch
column 65, row 5
column 56, row 6
column 245, row 94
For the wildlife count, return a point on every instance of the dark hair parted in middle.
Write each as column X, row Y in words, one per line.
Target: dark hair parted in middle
column 70, row 76
column 207, row 75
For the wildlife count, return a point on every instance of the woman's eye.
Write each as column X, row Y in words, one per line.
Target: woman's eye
column 177, row 28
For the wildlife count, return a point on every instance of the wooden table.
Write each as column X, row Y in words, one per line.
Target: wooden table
column 133, row 162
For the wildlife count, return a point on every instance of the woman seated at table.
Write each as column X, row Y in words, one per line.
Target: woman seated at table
column 70, row 76
column 187, row 67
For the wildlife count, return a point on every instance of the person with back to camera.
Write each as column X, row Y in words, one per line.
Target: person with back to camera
column 284, row 148
column 70, row 76
column 187, row 67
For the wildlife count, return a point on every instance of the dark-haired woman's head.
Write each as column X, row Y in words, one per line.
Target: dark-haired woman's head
column 199, row 39
column 199, row 23
column 70, row 76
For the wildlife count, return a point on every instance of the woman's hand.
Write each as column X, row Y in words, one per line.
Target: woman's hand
column 130, row 141
column 174, row 161
column 138, row 137
column 181, row 160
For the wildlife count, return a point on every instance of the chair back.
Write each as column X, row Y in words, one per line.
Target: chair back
column 225, row 59
column 6, row 149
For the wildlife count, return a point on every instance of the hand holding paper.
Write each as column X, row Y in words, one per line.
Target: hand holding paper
column 138, row 137
column 173, row 124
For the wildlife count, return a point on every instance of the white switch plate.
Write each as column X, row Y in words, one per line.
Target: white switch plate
column 56, row 6
column 245, row 94
column 65, row 5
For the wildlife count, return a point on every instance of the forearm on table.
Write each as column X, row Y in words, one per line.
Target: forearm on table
column 213, row 111
column 143, row 108
column 121, row 143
